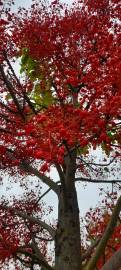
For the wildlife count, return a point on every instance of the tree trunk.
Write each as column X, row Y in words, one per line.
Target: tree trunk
column 67, row 240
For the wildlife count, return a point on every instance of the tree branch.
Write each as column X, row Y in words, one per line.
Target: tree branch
column 3, row 130
column 36, row 256
column 89, row 180
column 103, row 164
column 19, row 84
column 106, row 236
column 10, row 90
column 46, row 180
column 89, row 251
column 26, row 264
column 114, row 263
column 28, row 168
column 31, row 219
column 46, row 192
column 40, row 257
column 7, row 108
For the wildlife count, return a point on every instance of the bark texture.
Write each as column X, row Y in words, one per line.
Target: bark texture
column 67, row 240
column 114, row 263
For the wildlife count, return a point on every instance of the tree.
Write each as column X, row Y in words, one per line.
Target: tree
column 67, row 102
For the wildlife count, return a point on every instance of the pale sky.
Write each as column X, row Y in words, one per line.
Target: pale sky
column 27, row 3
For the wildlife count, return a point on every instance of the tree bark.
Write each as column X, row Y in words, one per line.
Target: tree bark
column 67, row 239
column 114, row 263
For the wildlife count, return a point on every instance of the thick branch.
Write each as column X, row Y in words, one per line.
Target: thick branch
column 114, row 263
column 37, row 221
column 106, row 236
column 32, row 220
column 36, row 256
column 46, row 180
column 28, row 168
column 40, row 257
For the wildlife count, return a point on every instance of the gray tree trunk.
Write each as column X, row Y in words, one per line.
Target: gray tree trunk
column 67, row 240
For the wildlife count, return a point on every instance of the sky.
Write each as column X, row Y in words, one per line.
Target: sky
column 27, row 3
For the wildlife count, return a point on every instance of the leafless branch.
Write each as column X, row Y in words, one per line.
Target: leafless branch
column 89, row 180
column 103, row 164
column 46, row 192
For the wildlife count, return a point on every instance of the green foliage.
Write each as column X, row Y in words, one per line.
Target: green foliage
column 8, row 97
column 42, row 97
column 83, row 150
column 28, row 65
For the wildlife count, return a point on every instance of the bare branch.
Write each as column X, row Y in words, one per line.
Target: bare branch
column 89, row 180
column 38, row 255
column 46, row 192
column 27, row 264
column 87, row 164
column 103, row 164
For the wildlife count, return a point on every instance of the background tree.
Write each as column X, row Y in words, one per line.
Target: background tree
column 67, row 102
column 95, row 222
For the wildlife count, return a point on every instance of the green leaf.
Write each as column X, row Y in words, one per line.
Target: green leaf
column 24, row 59
column 82, row 150
column 8, row 97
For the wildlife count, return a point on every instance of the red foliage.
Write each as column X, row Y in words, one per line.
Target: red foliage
column 77, row 52
column 16, row 232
